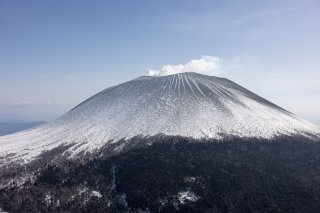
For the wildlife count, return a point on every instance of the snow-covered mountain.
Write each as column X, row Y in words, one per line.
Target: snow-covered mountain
column 188, row 104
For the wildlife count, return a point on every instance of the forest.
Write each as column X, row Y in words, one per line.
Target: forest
column 175, row 174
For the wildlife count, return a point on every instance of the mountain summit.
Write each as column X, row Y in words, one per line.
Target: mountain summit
column 187, row 104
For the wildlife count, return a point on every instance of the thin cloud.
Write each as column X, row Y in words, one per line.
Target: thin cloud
column 21, row 104
column 48, row 103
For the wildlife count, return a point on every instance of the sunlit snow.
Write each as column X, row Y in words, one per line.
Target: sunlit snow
column 187, row 104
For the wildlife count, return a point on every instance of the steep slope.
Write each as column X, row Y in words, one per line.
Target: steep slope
column 189, row 104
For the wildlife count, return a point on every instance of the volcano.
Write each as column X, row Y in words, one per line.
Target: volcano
column 187, row 104
column 197, row 130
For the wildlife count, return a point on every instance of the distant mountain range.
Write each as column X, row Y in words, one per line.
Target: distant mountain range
column 13, row 127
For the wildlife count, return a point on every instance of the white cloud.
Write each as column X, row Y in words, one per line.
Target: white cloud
column 48, row 103
column 209, row 65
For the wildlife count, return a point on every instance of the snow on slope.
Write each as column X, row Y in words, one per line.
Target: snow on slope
column 187, row 104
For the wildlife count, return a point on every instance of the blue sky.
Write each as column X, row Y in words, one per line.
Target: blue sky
column 55, row 54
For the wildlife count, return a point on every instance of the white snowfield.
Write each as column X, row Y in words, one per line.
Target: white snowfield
column 187, row 104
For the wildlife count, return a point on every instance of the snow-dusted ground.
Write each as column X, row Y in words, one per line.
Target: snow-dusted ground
column 187, row 104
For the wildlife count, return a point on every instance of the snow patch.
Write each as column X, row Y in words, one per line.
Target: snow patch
column 82, row 191
column 122, row 199
column 96, row 194
column 187, row 196
column 48, row 199
column 190, row 179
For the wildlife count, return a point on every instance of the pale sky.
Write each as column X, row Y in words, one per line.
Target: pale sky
column 55, row 54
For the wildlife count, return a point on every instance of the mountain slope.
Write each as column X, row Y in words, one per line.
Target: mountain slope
column 179, row 143
column 188, row 104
